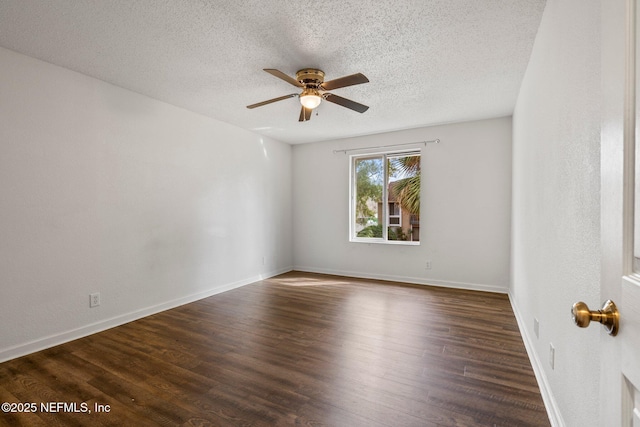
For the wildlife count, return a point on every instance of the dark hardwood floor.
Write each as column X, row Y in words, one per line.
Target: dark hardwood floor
column 298, row 349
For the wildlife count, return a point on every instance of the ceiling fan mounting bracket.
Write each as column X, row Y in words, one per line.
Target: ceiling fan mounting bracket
column 310, row 77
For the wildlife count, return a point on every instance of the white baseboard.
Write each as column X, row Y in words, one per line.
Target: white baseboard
column 406, row 279
column 83, row 331
column 553, row 411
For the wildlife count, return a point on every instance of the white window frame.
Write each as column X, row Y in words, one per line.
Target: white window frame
column 385, row 199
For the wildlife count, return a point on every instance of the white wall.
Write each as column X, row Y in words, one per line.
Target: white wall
column 104, row 190
column 556, row 205
column 465, row 218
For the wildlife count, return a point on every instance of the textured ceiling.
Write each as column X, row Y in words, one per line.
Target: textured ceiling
column 428, row 61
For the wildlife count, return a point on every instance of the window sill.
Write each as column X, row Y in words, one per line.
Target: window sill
column 385, row 242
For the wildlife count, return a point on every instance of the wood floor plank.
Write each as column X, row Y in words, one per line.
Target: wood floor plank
column 299, row 349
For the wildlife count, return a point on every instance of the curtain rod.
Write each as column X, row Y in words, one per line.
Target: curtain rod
column 433, row 141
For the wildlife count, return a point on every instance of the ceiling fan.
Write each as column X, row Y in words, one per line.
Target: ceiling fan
column 315, row 89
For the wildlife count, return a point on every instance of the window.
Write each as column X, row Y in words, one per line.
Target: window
column 385, row 197
column 395, row 215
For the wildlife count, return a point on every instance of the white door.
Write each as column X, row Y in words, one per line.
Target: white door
column 620, row 215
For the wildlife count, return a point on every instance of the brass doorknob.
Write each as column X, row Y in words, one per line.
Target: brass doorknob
column 608, row 316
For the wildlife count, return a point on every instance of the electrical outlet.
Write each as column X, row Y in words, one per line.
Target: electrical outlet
column 427, row 265
column 94, row 299
column 536, row 327
column 552, row 356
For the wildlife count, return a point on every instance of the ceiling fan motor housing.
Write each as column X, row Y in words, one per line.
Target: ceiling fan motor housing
column 310, row 77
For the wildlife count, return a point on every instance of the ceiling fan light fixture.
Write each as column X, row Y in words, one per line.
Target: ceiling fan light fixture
column 310, row 98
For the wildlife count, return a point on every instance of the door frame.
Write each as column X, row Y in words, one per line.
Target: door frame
column 618, row 133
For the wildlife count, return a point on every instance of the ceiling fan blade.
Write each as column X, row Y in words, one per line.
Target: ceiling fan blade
column 260, row 104
column 305, row 114
column 353, row 79
column 279, row 74
column 355, row 106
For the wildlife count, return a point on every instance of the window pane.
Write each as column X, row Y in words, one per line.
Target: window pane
column 404, row 196
column 368, row 197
